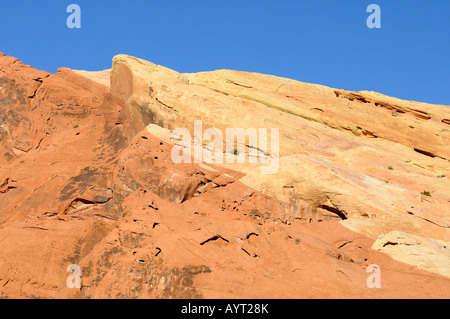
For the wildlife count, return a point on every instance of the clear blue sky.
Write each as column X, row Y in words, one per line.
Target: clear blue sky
column 317, row 41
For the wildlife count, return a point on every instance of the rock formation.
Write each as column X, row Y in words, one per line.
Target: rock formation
column 87, row 178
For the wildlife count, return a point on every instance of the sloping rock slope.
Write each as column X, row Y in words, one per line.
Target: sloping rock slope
column 87, row 178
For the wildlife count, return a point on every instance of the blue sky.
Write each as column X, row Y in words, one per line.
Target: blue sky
column 317, row 41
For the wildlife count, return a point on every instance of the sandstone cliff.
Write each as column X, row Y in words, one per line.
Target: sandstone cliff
column 86, row 177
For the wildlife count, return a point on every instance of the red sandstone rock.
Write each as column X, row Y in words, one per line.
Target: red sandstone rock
column 82, row 181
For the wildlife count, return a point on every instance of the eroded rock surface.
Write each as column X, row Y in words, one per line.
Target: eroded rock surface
column 87, row 178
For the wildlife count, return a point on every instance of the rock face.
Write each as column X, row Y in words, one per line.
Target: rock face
column 431, row 255
column 87, row 178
